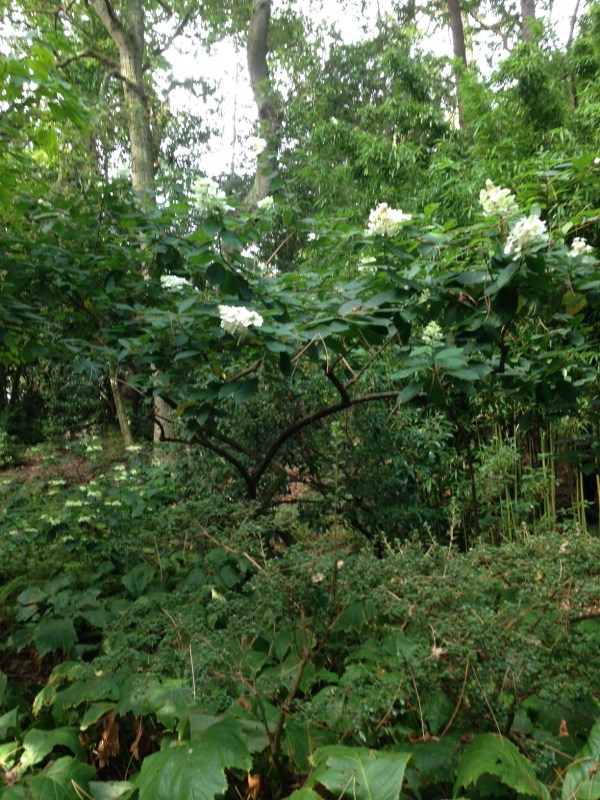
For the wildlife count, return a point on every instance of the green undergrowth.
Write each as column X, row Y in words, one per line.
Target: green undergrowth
column 161, row 643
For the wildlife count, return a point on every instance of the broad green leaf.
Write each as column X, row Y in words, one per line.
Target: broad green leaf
column 110, row 790
column 52, row 635
column 58, row 780
column 94, row 712
column 304, row 794
column 492, row 754
column 582, row 779
column 359, row 773
column 8, row 721
column 196, row 770
column 37, row 744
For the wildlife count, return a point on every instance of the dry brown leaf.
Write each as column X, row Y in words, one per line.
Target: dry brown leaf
column 426, row 737
column 135, row 747
column 436, row 652
column 108, row 746
column 253, row 786
column 564, row 731
column 593, row 770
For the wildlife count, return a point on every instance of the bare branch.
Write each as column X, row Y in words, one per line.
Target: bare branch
column 89, row 54
column 158, row 50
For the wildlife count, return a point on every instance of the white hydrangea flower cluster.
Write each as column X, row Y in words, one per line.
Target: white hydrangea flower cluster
column 266, row 204
column 497, row 202
column 579, row 247
column 386, row 221
column 432, row 334
column 267, row 270
column 528, row 232
column 257, row 144
column 368, row 265
column 208, row 198
column 173, row 283
column 237, row 320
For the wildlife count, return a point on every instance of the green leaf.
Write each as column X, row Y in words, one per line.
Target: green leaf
column 58, row 779
column 582, row 779
column 52, row 635
column 8, row 721
column 110, row 790
column 38, row 744
column 196, row 770
column 359, row 773
column 3, row 683
column 492, row 754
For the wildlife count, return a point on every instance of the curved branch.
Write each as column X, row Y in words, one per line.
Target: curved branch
column 311, row 419
column 89, row 54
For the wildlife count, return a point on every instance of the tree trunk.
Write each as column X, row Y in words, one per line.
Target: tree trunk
column 459, row 49
column 129, row 38
column 265, row 99
column 122, row 418
column 458, row 33
column 527, row 16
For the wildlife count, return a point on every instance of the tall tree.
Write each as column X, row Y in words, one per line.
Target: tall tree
column 265, row 98
column 127, row 31
column 455, row 17
column 527, row 17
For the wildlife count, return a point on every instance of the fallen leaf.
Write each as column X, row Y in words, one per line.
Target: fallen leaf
column 135, row 747
column 108, row 746
column 564, row 731
column 253, row 786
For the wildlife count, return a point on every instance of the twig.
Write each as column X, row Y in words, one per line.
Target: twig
column 412, row 677
column 193, row 676
column 233, row 551
column 458, row 704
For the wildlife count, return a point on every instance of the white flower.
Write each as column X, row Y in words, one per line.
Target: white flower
column 173, row 283
column 386, row 221
column 268, row 270
column 257, row 144
column 579, row 247
column 497, row 201
column 237, row 320
column 368, row 265
column 339, row 564
column 93, row 448
column 318, row 577
column 527, row 233
column 432, row 334
column 266, row 203
column 208, row 197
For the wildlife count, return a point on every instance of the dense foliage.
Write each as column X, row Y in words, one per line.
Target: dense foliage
column 361, row 560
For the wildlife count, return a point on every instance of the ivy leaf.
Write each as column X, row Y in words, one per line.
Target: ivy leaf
column 491, row 754
column 582, row 779
column 358, row 773
column 194, row 771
